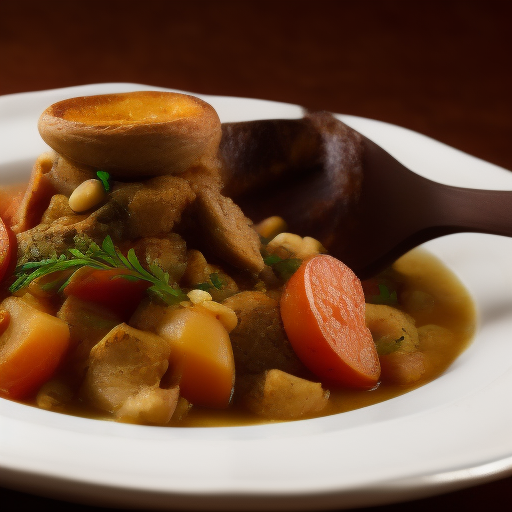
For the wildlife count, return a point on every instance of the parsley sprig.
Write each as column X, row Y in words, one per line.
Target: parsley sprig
column 106, row 257
column 104, row 177
column 283, row 268
column 215, row 282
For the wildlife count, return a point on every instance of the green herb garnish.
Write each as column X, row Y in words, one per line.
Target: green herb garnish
column 283, row 268
column 386, row 346
column 272, row 259
column 385, row 296
column 104, row 177
column 106, row 257
column 215, row 281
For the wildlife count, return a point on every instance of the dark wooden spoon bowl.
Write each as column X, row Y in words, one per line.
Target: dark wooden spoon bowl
column 340, row 187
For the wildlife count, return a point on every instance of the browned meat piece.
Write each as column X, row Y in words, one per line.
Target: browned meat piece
column 37, row 196
column 227, row 231
column 278, row 395
column 153, row 206
column 58, row 208
column 88, row 324
column 48, row 240
column 65, row 175
column 269, row 169
column 259, row 340
column 124, row 374
column 199, row 271
column 169, row 253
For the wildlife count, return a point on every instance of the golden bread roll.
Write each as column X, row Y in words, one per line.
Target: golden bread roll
column 136, row 134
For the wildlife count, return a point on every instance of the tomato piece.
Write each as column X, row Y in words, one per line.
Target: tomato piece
column 323, row 312
column 7, row 250
column 108, row 288
column 31, row 347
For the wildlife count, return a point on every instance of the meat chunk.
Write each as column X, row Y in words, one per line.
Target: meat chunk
column 59, row 208
column 124, row 374
column 169, row 253
column 259, row 340
column 199, row 271
column 227, row 231
column 153, row 206
column 65, row 175
column 49, row 240
column 278, row 395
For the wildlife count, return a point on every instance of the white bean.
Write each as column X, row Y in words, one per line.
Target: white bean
column 87, row 195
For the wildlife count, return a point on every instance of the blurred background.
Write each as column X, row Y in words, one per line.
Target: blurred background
column 439, row 67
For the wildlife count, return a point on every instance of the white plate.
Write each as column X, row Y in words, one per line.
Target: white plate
column 449, row 434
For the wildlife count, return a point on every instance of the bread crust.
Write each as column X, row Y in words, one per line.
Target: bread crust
column 132, row 135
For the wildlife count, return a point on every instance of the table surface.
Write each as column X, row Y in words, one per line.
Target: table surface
column 439, row 67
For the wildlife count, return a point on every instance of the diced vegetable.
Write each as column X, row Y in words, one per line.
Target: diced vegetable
column 323, row 312
column 397, row 342
column 201, row 356
column 108, row 288
column 402, row 367
column 31, row 348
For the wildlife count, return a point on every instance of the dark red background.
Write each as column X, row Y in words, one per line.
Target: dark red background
column 442, row 68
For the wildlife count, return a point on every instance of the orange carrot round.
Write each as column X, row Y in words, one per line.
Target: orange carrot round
column 323, row 312
column 31, row 348
column 108, row 288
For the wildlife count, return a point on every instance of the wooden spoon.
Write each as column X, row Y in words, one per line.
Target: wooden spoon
column 363, row 205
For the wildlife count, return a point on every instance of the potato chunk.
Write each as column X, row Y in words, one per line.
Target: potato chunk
column 281, row 396
column 124, row 374
column 397, row 342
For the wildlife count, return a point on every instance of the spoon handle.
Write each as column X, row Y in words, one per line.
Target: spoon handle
column 481, row 211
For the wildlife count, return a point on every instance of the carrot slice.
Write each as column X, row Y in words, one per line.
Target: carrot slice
column 31, row 348
column 108, row 288
column 323, row 312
